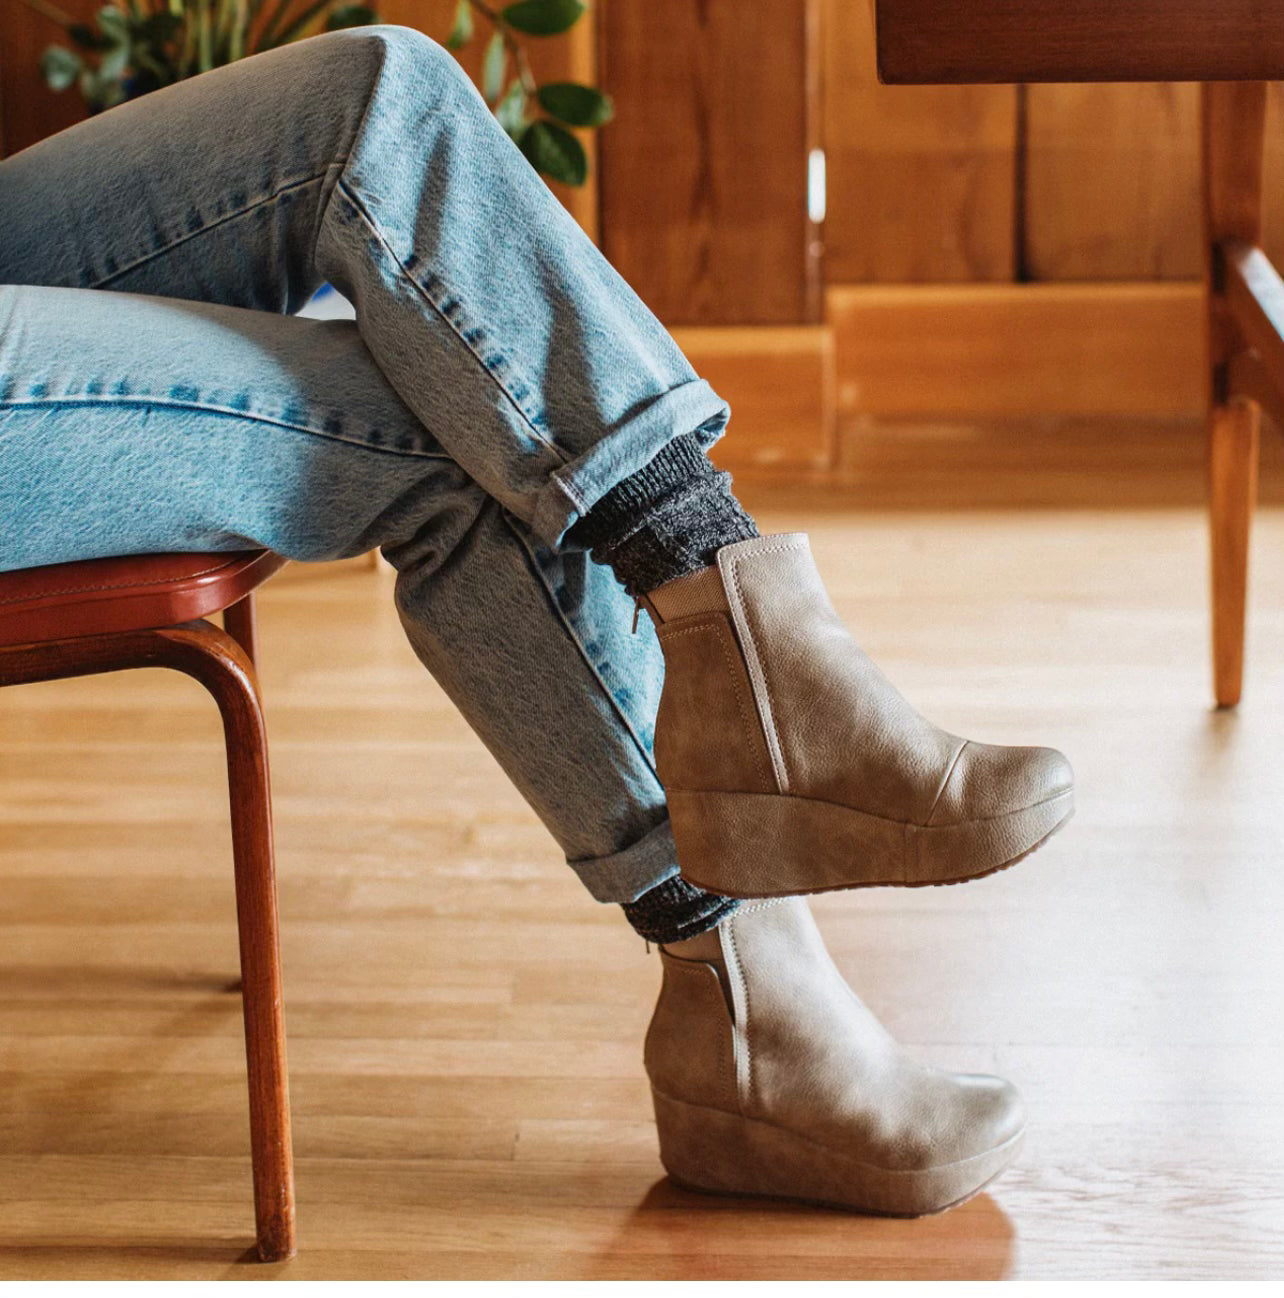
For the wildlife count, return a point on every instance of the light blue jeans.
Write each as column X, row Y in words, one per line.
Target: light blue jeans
column 157, row 394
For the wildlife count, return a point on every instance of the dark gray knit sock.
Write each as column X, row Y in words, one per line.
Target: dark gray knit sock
column 676, row 909
column 668, row 519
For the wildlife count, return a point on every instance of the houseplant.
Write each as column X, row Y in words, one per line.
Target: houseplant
column 136, row 46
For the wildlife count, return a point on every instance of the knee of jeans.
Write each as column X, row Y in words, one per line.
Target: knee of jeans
column 433, row 524
column 404, row 56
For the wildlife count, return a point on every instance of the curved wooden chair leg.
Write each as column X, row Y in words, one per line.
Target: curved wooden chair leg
column 226, row 671
column 240, row 621
column 1233, row 440
column 214, row 658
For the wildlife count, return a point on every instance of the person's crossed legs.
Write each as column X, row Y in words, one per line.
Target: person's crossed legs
column 503, row 404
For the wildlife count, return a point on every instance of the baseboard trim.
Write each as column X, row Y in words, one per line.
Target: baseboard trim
column 1000, row 350
column 956, row 352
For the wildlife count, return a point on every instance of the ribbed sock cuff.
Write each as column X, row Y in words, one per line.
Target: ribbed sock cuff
column 675, row 909
column 668, row 519
column 625, row 506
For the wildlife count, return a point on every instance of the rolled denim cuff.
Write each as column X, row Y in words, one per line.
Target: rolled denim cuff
column 625, row 876
column 575, row 487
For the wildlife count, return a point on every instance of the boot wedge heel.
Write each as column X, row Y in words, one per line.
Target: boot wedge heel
column 775, row 845
column 724, row 1153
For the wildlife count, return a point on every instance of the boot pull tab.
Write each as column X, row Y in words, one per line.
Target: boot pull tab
column 641, row 602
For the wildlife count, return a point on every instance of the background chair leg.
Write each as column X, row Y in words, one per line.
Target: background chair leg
column 1233, row 130
column 1233, row 437
column 240, row 621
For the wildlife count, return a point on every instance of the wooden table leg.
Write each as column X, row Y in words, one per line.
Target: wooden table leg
column 1234, row 116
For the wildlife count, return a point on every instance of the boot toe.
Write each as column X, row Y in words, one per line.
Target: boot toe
column 959, row 1118
column 991, row 780
column 997, row 806
column 992, row 1114
column 979, row 1123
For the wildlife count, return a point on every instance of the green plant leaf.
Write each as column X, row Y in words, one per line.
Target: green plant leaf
column 146, row 61
column 574, row 104
column 553, row 150
column 462, row 31
column 493, row 64
column 159, row 27
column 350, row 16
column 542, row 17
column 60, row 67
column 511, row 111
column 83, row 35
column 114, row 24
column 112, row 64
column 100, row 92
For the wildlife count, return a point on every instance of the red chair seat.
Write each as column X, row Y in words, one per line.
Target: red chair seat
column 133, row 593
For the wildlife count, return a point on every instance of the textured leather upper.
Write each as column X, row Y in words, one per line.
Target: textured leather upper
column 831, row 725
column 844, row 733
column 768, row 1025
column 707, row 727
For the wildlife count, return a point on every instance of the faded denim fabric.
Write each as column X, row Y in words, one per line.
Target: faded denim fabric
column 156, row 393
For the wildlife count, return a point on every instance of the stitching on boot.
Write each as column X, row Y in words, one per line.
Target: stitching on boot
column 746, row 717
column 753, row 661
column 743, row 1094
column 762, row 904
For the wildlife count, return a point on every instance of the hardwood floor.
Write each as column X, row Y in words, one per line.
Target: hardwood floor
column 465, row 1024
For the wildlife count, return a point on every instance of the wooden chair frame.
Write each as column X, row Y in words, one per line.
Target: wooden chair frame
column 222, row 660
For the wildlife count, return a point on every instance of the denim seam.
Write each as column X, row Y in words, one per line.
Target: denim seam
column 377, row 231
column 230, row 412
column 579, row 644
column 571, row 492
column 188, row 235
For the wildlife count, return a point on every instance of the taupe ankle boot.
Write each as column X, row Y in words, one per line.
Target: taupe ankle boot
column 791, row 764
column 771, row 1078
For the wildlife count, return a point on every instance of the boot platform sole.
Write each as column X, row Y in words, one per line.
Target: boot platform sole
column 715, row 1152
column 776, row 845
